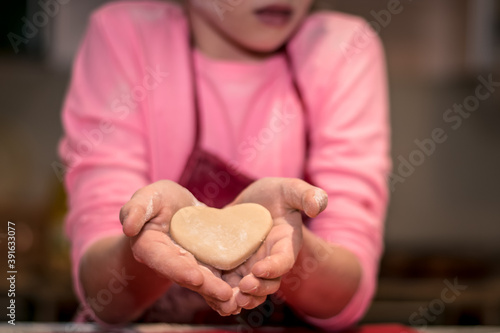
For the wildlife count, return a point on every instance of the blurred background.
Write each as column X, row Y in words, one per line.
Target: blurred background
column 443, row 225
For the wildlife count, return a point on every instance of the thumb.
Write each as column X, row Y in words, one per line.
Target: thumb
column 162, row 198
column 301, row 195
column 144, row 205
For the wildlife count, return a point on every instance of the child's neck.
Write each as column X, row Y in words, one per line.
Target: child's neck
column 216, row 45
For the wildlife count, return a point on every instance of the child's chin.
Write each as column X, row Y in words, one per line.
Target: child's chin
column 265, row 47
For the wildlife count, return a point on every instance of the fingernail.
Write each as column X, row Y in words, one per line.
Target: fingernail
column 321, row 198
column 248, row 291
column 124, row 216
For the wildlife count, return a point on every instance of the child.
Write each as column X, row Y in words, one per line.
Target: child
column 224, row 102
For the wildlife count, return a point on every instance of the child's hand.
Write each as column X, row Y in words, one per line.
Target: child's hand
column 285, row 198
column 146, row 219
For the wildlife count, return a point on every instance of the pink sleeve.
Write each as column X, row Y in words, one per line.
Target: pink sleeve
column 346, row 96
column 104, row 144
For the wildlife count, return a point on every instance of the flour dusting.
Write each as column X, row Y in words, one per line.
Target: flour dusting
column 321, row 198
column 149, row 209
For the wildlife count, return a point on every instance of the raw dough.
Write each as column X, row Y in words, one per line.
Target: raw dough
column 222, row 238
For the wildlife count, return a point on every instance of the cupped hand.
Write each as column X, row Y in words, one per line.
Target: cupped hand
column 285, row 198
column 146, row 220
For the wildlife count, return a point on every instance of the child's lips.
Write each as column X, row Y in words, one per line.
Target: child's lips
column 274, row 15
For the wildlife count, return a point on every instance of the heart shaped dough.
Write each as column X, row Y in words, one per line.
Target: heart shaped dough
column 222, row 238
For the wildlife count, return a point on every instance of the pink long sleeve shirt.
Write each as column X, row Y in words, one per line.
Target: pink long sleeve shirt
column 129, row 121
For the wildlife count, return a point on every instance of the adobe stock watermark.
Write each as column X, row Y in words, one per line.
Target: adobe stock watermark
column 115, row 286
column 453, row 117
column 220, row 7
column 31, row 27
column 436, row 307
column 120, row 108
column 363, row 36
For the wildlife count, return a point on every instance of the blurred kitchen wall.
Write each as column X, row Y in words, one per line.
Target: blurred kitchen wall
column 445, row 198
